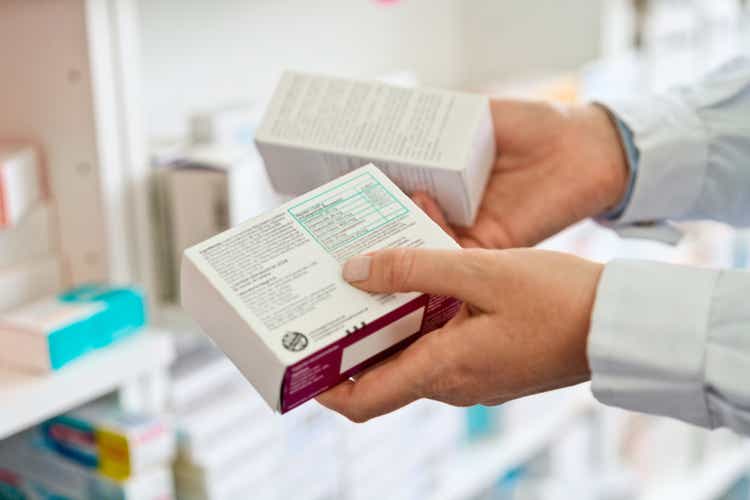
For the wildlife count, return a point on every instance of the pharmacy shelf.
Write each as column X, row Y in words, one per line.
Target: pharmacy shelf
column 708, row 481
column 478, row 465
column 26, row 400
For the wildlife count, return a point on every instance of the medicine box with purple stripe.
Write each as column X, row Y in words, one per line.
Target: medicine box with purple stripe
column 269, row 291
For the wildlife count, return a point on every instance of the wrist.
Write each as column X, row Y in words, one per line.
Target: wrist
column 610, row 171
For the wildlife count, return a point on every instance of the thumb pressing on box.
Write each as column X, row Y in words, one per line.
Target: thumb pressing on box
column 452, row 273
column 523, row 328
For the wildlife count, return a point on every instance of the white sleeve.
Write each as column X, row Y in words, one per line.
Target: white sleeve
column 694, row 151
column 674, row 341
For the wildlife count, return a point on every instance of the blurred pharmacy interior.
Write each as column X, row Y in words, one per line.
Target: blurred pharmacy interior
column 127, row 129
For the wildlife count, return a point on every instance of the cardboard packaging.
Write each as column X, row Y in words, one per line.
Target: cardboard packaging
column 206, row 190
column 317, row 128
column 48, row 334
column 33, row 469
column 270, row 292
column 115, row 443
column 29, row 280
column 20, row 181
column 31, row 240
column 227, row 410
column 230, row 125
column 198, row 374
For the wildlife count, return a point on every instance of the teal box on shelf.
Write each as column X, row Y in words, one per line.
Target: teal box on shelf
column 48, row 334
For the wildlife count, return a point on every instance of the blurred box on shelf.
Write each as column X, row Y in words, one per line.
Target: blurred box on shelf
column 228, row 125
column 192, row 487
column 29, row 280
column 21, row 183
column 224, row 412
column 116, row 443
column 199, row 372
column 317, row 128
column 265, row 290
column 14, row 486
column 33, row 464
column 46, row 334
column 30, row 240
column 205, row 190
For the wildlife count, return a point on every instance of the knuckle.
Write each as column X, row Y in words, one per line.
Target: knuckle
column 356, row 417
column 399, row 272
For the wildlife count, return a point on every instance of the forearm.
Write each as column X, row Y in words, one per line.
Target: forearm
column 673, row 341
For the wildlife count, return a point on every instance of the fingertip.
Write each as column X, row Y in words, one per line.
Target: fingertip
column 336, row 397
column 357, row 268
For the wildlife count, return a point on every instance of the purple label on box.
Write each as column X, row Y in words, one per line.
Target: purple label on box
column 320, row 371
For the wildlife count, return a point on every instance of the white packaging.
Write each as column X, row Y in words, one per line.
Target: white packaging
column 29, row 280
column 36, row 463
column 317, row 128
column 116, row 443
column 20, row 182
column 29, row 240
column 209, row 189
column 270, row 292
column 230, row 125
column 225, row 410
column 197, row 374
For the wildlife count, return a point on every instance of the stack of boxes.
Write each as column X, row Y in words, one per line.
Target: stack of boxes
column 41, row 331
column 227, row 439
column 29, row 266
column 97, row 452
column 49, row 333
column 397, row 456
column 207, row 185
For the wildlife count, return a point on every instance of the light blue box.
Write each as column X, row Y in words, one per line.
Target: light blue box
column 48, row 334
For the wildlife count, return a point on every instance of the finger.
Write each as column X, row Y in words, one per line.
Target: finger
column 433, row 211
column 382, row 389
column 455, row 273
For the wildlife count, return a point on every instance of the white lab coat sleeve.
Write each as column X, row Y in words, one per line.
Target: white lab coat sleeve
column 673, row 340
column 694, row 151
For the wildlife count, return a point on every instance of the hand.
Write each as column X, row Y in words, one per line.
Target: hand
column 555, row 167
column 522, row 329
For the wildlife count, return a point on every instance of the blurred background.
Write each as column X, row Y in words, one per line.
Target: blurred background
column 132, row 122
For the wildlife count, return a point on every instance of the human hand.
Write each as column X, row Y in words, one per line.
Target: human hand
column 555, row 166
column 522, row 329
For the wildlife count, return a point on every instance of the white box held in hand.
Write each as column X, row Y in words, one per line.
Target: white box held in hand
column 317, row 128
column 270, row 291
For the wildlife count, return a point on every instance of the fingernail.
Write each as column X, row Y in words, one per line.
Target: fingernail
column 357, row 268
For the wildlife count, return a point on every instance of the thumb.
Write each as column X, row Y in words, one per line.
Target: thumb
column 455, row 273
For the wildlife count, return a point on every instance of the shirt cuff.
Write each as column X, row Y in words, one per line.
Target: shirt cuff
column 632, row 156
column 647, row 344
column 673, row 156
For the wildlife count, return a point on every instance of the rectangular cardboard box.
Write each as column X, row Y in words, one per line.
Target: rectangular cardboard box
column 115, row 443
column 47, row 334
column 29, row 280
column 317, row 128
column 41, row 473
column 20, row 181
column 206, row 190
column 32, row 239
column 270, row 292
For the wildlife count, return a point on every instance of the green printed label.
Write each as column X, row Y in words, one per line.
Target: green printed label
column 348, row 211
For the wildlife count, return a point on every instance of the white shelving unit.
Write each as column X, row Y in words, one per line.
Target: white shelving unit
column 65, row 89
column 130, row 366
column 478, row 465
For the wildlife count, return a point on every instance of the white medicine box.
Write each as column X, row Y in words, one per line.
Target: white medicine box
column 269, row 291
column 317, row 128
